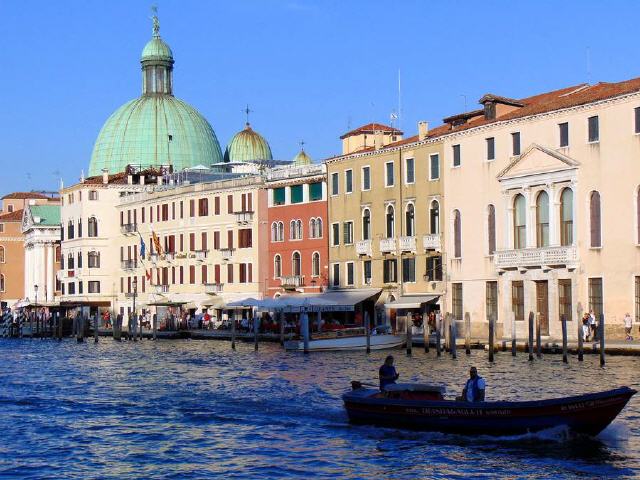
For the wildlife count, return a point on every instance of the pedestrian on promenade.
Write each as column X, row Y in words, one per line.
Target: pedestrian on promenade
column 592, row 325
column 628, row 325
column 586, row 329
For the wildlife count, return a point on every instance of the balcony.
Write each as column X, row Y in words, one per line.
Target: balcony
column 432, row 242
column 201, row 255
column 129, row 264
column 363, row 247
column 407, row 244
column 129, row 228
column 161, row 289
column 291, row 281
column 213, row 288
column 388, row 245
column 544, row 257
column 153, row 258
column 244, row 218
column 226, row 253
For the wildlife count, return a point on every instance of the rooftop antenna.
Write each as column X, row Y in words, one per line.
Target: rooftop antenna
column 589, row 65
column 465, row 101
column 247, row 111
column 399, row 101
column 393, row 116
column 348, row 123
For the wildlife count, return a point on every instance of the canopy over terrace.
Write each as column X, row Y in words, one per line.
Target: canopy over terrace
column 411, row 301
column 331, row 301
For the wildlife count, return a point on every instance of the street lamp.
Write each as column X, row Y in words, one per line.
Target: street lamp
column 135, row 290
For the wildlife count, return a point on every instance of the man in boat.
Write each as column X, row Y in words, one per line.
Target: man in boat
column 474, row 389
column 387, row 373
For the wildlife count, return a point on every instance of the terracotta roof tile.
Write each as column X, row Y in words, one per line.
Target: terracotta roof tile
column 371, row 128
column 25, row 196
column 15, row 216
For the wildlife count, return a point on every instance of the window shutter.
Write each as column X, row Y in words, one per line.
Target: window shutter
column 595, row 220
column 492, row 229
column 457, row 227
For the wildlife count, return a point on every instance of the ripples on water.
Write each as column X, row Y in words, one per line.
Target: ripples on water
column 190, row 409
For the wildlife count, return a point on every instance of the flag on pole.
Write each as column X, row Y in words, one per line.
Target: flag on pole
column 156, row 243
column 143, row 247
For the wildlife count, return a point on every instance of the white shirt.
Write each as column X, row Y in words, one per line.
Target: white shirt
column 628, row 322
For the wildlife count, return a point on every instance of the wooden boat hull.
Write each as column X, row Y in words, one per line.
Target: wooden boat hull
column 358, row 342
column 586, row 414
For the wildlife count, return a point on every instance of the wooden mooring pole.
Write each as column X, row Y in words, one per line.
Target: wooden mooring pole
column 565, row 357
column 304, row 320
column 154, row 319
column 281, row 318
column 256, row 326
column 538, row 337
column 426, row 331
column 530, row 344
column 580, row 335
column 408, row 327
column 492, row 320
column 367, row 329
column 438, row 326
column 513, row 335
column 117, row 328
column 233, row 330
column 80, row 328
column 601, row 334
column 467, row 333
column 454, row 328
column 96, row 323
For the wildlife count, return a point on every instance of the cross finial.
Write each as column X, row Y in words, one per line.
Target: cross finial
column 302, row 142
column 156, row 22
column 247, row 111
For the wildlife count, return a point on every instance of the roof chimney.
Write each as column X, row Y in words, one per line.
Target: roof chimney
column 130, row 179
column 423, row 130
column 377, row 140
column 142, row 178
column 105, row 176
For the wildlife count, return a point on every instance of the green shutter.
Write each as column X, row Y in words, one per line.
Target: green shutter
column 278, row 196
column 296, row 194
column 315, row 191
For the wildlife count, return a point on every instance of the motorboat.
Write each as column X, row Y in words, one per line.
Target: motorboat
column 424, row 407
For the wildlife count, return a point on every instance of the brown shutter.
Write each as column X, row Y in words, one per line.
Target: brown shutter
column 492, row 229
column 595, row 220
column 250, row 268
column 229, row 203
column 229, row 238
column 216, row 270
column 457, row 231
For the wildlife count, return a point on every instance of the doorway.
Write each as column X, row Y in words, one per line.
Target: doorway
column 542, row 305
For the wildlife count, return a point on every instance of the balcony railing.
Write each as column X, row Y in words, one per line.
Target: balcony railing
column 201, row 255
column 244, row 217
column 388, row 245
column 129, row 228
column 162, row 288
column 213, row 288
column 129, row 264
column 407, row 244
column 432, row 242
column 292, row 281
column 536, row 257
column 153, row 257
column 226, row 253
column 363, row 247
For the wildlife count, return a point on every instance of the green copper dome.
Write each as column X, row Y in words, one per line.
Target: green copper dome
column 156, row 128
column 247, row 146
column 302, row 159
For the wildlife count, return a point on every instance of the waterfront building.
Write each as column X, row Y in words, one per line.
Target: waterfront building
column 12, row 242
column 385, row 231
column 543, row 208
column 298, row 248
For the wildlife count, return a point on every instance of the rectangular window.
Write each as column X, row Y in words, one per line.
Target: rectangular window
column 348, row 233
column 278, row 196
column 517, row 299
column 491, row 299
column 229, row 203
column 563, row 129
column 350, row 274
column 245, row 239
column 80, row 288
column 491, row 148
column 203, row 207
column 242, row 273
column 366, row 178
column 409, row 269
column 390, row 270
column 456, row 301
column 335, row 234
column 389, row 180
column 71, row 288
column 595, row 297
column 594, row 129
column 366, row 272
column 216, row 206
column 216, row 241
column 515, row 141
column 336, row 275
column 348, row 181
column 192, row 208
column 173, row 210
column 434, row 269
column 192, row 242
column 457, row 161
column 410, row 173
column 230, row 239
column 192, row 274
column 335, row 186
column 296, row 194
column 434, row 166
column 181, row 209
column 564, row 298
column 636, row 116
column 94, row 287
column 315, row 191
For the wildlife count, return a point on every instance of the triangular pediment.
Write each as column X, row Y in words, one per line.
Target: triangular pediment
column 537, row 159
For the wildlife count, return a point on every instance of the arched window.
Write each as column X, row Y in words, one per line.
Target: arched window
column 318, row 227
column 94, row 259
column 542, row 220
column 292, row 230
column 277, row 266
column 296, row 264
column 299, row 229
column 70, row 261
column 2, row 260
column 491, row 228
column 1, row 282
column 434, row 217
column 596, row 221
column 410, row 220
column 312, row 228
column 93, row 227
column 366, row 224
column 566, row 217
column 391, row 222
column 274, row 232
column 70, row 230
column 281, row 231
column 315, row 264
column 519, row 222
column 457, row 234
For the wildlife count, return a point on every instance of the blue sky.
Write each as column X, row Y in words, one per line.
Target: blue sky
column 308, row 69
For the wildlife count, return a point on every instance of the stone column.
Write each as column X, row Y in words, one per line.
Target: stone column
column 554, row 215
column 28, row 252
column 50, row 275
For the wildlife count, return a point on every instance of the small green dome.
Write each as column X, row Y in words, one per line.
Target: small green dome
column 157, row 49
column 247, row 146
column 155, row 130
column 302, row 159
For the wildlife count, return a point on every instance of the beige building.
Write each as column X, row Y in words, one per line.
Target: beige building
column 385, row 229
column 543, row 208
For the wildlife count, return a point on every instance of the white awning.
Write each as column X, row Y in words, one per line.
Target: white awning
column 411, row 301
column 331, row 301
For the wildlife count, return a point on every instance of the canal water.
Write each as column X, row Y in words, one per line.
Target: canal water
column 195, row 409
